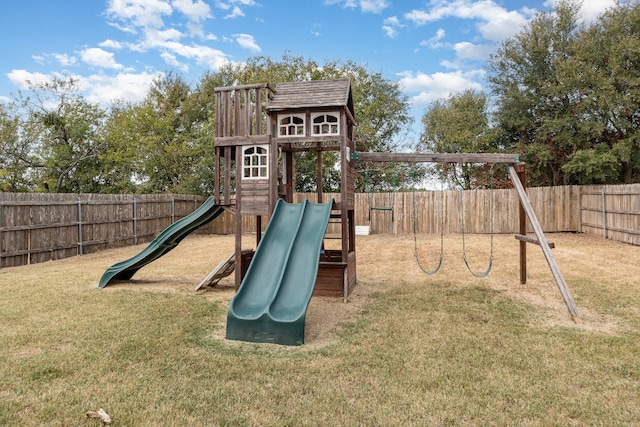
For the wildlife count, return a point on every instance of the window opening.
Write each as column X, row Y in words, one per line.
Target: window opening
column 291, row 125
column 255, row 162
column 325, row 124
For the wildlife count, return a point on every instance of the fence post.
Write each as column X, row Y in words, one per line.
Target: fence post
column 604, row 212
column 135, row 222
column 1, row 241
column 80, row 252
column 173, row 210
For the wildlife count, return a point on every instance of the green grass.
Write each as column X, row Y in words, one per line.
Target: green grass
column 418, row 354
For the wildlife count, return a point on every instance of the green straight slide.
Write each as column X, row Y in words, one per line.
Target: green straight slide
column 163, row 243
column 272, row 301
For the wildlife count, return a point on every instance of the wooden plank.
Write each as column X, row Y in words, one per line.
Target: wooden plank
column 239, row 87
column 529, row 239
column 242, row 140
column 438, row 157
column 222, row 270
column 553, row 265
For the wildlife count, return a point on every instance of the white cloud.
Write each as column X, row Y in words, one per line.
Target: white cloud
column 140, row 13
column 98, row 88
column 64, row 59
column 23, row 78
column 246, row 41
column 236, row 7
column 426, row 88
column 391, row 25
column 132, row 87
column 367, row 6
column 590, row 9
column 495, row 23
column 236, row 12
column 434, row 42
column 203, row 55
column 171, row 60
column 98, row 57
column 373, row 6
column 502, row 24
column 158, row 37
column 196, row 11
column 468, row 50
column 111, row 44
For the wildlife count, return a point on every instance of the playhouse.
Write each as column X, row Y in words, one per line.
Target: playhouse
column 259, row 129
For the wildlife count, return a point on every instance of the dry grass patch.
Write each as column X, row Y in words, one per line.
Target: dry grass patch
column 407, row 349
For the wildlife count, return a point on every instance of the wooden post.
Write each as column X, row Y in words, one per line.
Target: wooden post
column 319, row 171
column 80, row 251
column 258, row 229
column 239, row 230
column 553, row 265
column 604, row 213
column 522, row 221
column 1, row 241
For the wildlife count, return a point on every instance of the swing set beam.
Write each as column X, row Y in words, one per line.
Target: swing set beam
column 518, row 178
column 437, row 157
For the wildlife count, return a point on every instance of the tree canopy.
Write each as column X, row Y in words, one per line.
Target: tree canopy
column 567, row 95
column 54, row 140
column 563, row 94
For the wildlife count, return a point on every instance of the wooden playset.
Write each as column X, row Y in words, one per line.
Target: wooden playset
column 259, row 131
column 259, row 128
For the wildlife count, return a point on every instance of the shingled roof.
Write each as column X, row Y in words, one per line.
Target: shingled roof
column 310, row 94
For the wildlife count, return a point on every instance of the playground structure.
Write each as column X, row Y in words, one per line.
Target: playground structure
column 259, row 129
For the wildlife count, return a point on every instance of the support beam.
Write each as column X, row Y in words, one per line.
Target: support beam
column 437, row 157
column 553, row 265
column 522, row 224
column 527, row 239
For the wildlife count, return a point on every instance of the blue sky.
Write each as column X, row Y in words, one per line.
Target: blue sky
column 115, row 48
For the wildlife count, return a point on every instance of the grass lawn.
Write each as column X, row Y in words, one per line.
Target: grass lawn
column 408, row 349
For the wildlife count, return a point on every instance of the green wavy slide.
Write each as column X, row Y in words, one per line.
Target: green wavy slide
column 163, row 243
column 272, row 301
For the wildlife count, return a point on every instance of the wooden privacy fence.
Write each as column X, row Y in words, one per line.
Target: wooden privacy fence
column 36, row 227
column 394, row 213
column 611, row 211
column 40, row 227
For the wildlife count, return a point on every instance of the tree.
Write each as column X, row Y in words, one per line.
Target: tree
column 604, row 74
column 460, row 124
column 16, row 159
column 166, row 125
column 534, row 106
column 65, row 132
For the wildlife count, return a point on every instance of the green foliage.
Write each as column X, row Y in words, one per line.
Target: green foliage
column 594, row 165
column 15, row 153
column 534, row 105
column 567, row 95
column 460, row 124
column 605, row 72
column 66, row 133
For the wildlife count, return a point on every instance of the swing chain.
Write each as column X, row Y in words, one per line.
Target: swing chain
column 464, row 252
column 415, row 232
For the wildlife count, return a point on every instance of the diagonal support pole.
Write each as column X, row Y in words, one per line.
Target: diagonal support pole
column 553, row 265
